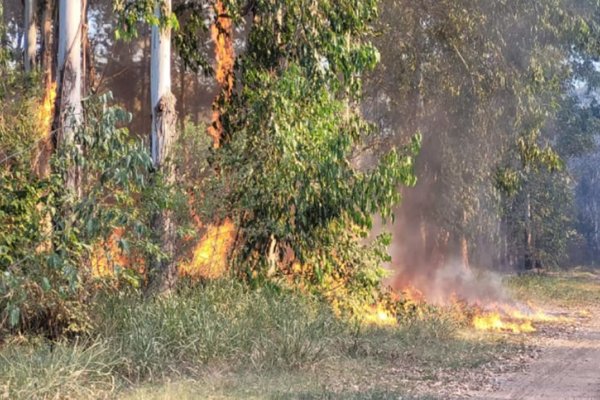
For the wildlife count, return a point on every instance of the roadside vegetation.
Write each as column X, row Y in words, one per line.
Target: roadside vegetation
column 231, row 341
column 571, row 289
column 304, row 211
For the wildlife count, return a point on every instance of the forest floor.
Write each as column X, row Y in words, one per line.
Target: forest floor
column 559, row 361
column 226, row 342
column 567, row 364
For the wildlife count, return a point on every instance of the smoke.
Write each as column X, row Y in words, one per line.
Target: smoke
column 452, row 281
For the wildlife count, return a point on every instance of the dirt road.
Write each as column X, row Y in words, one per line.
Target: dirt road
column 568, row 368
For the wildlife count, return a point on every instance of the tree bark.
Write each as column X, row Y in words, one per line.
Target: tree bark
column 528, row 262
column 45, row 147
column 30, row 35
column 47, row 33
column 69, row 83
column 89, row 67
column 163, row 273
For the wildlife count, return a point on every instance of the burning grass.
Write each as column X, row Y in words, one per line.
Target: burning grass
column 480, row 297
column 226, row 327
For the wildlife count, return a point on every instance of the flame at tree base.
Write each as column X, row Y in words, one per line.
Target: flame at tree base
column 209, row 260
column 46, row 110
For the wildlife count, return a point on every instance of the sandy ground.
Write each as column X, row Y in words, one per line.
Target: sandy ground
column 568, row 367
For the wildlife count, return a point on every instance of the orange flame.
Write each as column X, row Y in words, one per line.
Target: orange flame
column 489, row 316
column 378, row 315
column 222, row 34
column 493, row 321
column 107, row 255
column 513, row 319
column 46, row 112
column 209, row 259
column 413, row 295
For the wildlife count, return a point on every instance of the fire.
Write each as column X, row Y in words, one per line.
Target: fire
column 378, row 315
column 46, row 112
column 107, row 255
column 222, row 35
column 413, row 295
column 209, row 258
column 516, row 319
column 483, row 313
column 493, row 321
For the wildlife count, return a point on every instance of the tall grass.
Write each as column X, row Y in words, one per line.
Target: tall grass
column 137, row 341
column 225, row 322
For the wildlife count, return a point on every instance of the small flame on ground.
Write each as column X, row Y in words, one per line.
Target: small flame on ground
column 209, row 258
column 222, row 34
column 378, row 315
column 413, row 295
column 493, row 321
column 489, row 316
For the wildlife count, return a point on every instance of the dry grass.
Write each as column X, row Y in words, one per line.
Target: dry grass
column 227, row 341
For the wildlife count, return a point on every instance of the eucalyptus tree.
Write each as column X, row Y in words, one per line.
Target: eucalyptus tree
column 162, row 139
column 159, row 14
column 292, row 169
column 70, row 87
column 30, row 34
column 480, row 80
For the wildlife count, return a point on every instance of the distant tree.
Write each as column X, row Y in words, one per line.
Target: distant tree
column 480, row 80
column 30, row 35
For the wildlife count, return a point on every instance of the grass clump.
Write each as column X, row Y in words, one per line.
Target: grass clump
column 262, row 343
column 222, row 322
column 40, row 369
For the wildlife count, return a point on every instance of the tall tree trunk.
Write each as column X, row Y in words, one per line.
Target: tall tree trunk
column 89, row 67
column 45, row 147
column 464, row 244
column 163, row 273
column 30, row 35
column 47, row 28
column 182, row 97
column 69, row 82
column 528, row 262
column 146, row 124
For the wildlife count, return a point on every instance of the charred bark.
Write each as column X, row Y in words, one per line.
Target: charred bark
column 45, row 147
column 163, row 274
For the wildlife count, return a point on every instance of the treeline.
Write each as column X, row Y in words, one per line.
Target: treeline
column 285, row 126
column 505, row 95
column 298, row 151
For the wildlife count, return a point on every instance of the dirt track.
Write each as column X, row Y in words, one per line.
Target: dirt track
column 568, row 368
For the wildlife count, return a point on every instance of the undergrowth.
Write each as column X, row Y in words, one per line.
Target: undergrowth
column 136, row 341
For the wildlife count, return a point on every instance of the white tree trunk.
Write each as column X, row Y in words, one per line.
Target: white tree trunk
column 160, row 86
column 163, row 274
column 30, row 35
column 70, row 19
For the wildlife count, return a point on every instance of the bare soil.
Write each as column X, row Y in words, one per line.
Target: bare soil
column 567, row 367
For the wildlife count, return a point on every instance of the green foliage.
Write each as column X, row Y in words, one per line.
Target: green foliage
column 189, row 21
column 44, row 257
column 70, row 371
column 130, row 12
column 290, row 170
